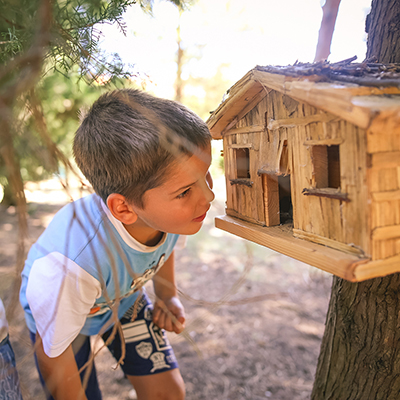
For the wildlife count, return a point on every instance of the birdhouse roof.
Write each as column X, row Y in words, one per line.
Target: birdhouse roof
column 365, row 94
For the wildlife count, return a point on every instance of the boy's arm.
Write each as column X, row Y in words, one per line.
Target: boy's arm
column 167, row 301
column 60, row 373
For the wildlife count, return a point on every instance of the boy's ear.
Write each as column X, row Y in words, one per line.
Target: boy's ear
column 120, row 209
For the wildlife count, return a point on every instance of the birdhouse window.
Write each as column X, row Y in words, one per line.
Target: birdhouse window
column 242, row 163
column 326, row 166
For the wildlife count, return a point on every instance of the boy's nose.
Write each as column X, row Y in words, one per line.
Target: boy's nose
column 209, row 195
column 209, row 180
column 206, row 188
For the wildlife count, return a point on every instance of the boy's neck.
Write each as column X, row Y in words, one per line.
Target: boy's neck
column 144, row 234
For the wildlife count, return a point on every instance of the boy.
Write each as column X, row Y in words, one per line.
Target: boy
column 147, row 160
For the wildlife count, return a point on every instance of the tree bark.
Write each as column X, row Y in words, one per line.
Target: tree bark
column 360, row 351
column 360, row 355
column 383, row 28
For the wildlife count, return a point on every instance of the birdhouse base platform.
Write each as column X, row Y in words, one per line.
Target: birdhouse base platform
column 280, row 238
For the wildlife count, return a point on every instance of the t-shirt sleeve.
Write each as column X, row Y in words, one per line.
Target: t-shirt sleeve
column 60, row 294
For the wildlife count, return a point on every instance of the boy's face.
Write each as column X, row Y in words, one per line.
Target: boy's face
column 181, row 203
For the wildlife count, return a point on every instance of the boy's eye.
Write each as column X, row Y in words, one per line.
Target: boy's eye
column 183, row 194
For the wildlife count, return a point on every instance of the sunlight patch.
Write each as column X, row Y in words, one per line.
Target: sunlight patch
column 216, row 232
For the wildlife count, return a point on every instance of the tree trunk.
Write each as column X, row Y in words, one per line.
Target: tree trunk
column 360, row 351
column 179, row 63
column 359, row 357
column 383, row 28
column 8, row 198
column 329, row 15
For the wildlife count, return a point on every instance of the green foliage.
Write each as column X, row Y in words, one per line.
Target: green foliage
column 62, row 100
column 74, row 33
column 18, row 21
column 42, row 117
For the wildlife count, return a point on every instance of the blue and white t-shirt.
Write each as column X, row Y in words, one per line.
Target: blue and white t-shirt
column 83, row 263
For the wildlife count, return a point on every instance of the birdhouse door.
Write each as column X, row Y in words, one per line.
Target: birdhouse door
column 277, row 199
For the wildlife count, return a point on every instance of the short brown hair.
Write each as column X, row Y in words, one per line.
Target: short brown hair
column 126, row 142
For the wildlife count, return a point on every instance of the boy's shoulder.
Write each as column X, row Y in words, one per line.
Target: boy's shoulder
column 85, row 208
column 72, row 225
column 84, row 227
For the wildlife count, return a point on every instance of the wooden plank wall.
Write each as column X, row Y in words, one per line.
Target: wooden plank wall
column 384, row 184
column 243, row 201
column 277, row 107
column 323, row 217
column 353, row 162
column 265, row 154
column 276, row 119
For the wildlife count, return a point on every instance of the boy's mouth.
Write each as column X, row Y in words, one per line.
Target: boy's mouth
column 201, row 218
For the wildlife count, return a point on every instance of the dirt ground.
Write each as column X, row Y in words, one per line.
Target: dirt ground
column 255, row 318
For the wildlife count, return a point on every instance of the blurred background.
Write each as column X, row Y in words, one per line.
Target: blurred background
column 202, row 51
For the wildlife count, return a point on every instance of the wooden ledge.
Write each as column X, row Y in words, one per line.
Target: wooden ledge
column 329, row 193
column 246, row 182
column 281, row 239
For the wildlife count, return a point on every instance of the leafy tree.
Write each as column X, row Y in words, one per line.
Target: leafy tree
column 359, row 357
column 39, row 37
column 61, row 99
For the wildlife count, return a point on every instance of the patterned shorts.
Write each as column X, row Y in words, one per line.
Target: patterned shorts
column 147, row 349
column 9, row 381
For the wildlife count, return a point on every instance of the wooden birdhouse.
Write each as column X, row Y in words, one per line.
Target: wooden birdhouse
column 312, row 164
